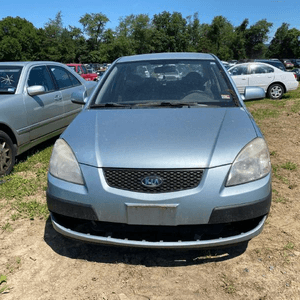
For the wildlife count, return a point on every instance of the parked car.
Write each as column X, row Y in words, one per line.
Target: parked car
column 35, row 105
column 296, row 71
column 287, row 63
column 83, row 72
column 172, row 163
column 274, row 62
column 296, row 62
column 274, row 81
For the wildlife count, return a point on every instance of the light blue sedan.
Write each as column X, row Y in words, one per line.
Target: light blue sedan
column 162, row 162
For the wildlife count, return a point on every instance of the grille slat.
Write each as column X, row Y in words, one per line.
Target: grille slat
column 173, row 180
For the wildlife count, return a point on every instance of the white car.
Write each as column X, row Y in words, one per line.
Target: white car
column 274, row 81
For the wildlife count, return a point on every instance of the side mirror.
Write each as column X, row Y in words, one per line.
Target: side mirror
column 79, row 97
column 36, row 90
column 254, row 93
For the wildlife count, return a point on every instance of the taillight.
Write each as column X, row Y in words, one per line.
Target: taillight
column 295, row 75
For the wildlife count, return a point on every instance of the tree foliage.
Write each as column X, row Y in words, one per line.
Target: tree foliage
column 137, row 34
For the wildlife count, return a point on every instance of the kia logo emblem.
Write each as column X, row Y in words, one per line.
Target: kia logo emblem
column 152, row 181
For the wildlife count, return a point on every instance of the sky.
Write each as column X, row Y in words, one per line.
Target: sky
column 235, row 11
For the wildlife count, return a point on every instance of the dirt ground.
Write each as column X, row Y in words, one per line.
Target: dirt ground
column 41, row 264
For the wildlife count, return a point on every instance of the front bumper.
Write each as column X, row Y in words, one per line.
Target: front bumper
column 207, row 216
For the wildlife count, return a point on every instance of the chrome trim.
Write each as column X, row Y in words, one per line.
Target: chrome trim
column 46, row 122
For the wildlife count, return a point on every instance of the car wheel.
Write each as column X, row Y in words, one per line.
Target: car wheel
column 275, row 91
column 7, row 154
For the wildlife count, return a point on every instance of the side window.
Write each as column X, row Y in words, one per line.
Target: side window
column 74, row 80
column 239, row 70
column 269, row 69
column 40, row 76
column 61, row 76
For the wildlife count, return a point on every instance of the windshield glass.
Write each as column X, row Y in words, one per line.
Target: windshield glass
column 9, row 78
column 166, row 81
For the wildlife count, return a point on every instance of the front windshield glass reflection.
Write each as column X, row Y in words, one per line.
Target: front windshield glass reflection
column 166, row 81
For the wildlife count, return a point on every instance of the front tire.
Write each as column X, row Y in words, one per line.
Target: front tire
column 7, row 154
column 275, row 91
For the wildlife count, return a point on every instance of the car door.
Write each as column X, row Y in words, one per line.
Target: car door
column 261, row 75
column 240, row 77
column 44, row 111
column 67, row 84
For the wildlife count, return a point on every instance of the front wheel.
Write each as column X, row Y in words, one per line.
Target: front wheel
column 7, row 154
column 275, row 91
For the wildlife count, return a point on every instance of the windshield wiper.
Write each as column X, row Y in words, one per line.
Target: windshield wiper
column 171, row 104
column 109, row 104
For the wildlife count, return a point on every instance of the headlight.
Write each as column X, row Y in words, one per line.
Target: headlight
column 63, row 163
column 252, row 163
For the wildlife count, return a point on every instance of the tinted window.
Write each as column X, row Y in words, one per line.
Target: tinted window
column 61, row 76
column 74, row 80
column 40, row 76
column 9, row 78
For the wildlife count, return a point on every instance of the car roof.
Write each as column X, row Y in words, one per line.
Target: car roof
column 253, row 63
column 27, row 63
column 163, row 56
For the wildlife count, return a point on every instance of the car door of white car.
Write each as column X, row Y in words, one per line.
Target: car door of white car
column 240, row 76
column 44, row 111
column 261, row 75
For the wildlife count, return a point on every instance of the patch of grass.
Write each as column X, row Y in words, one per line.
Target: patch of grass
column 289, row 246
column 296, row 106
column 279, row 200
column 28, row 180
column 3, row 280
column 261, row 114
column 228, row 285
column 289, row 166
column 30, row 209
column 7, row 227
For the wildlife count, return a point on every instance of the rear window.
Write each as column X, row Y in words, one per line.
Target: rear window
column 9, row 78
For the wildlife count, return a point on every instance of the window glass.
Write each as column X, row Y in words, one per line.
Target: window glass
column 74, row 80
column 239, row 70
column 40, row 76
column 200, row 81
column 61, row 76
column 9, row 78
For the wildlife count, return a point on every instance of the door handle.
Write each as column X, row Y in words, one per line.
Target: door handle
column 58, row 98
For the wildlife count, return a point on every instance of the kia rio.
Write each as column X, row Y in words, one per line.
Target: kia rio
column 162, row 161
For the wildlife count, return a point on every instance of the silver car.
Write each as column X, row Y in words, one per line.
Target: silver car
column 35, row 105
column 162, row 163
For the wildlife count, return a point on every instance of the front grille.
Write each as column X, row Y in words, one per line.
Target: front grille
column 172, row 180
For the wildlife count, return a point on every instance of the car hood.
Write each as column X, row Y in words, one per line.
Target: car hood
column 159, row 138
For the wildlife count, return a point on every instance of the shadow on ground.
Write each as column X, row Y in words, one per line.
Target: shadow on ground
column 136, row 256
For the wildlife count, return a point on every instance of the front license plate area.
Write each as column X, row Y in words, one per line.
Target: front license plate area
column 151, row 214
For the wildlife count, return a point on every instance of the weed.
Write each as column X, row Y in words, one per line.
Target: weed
column 280, row 200
column 289, row 246
column 289, row 166
column 7, row 227
column 3, row 279
column 228, row 285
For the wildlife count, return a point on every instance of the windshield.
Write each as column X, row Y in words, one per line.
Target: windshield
column 166, row 81
column 9, row 78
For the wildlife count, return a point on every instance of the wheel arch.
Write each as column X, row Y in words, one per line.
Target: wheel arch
column 9, row 132
column 277, row 82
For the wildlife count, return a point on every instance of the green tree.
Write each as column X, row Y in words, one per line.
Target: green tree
column 94, row 27
column 170, row 32
column 256, row 37
column 19, row 40
column 221, row 34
